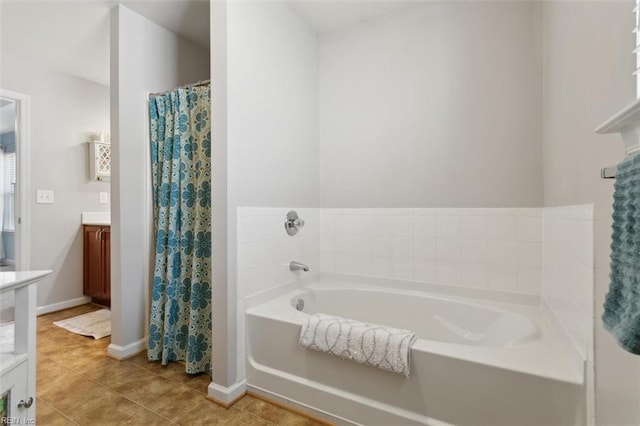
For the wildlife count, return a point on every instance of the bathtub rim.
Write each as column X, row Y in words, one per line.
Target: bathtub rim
column 572, row 370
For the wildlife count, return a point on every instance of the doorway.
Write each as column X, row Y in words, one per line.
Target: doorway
column 14, row 184
column 8, row 181
column 14, row 140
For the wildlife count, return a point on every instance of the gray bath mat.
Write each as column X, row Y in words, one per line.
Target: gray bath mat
column 96, row 324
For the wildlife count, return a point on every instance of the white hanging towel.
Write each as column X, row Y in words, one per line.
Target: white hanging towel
column 372, row 344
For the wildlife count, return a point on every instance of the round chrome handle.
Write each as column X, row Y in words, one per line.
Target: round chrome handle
column 293, row 223
column 25, row 404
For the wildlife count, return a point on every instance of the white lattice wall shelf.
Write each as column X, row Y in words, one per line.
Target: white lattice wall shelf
column 99, row 161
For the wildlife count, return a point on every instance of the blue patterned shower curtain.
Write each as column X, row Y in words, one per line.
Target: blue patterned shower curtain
column 180, row 323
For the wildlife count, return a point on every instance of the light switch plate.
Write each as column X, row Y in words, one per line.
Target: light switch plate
column 104, row 198
column 44, row 196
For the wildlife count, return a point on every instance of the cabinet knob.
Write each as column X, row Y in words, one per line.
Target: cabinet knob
column 25, row 404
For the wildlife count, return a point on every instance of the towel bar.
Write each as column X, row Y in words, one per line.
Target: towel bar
column 608, row 172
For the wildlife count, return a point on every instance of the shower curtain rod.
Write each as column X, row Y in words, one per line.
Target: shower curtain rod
column 186, row 86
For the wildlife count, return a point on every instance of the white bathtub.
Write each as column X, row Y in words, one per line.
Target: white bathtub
column 474, row 363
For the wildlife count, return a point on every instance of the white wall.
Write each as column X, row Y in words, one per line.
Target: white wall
column 273, row 106
column 437, row 106
column 144, row 58
column 587, row 78
column 64, row 110
column 269, row 105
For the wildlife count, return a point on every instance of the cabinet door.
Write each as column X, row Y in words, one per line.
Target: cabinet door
column 16, row 382
column 106, row 264
column 93, row 270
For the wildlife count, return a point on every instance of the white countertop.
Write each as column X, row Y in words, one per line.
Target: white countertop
column 96, row 218
column 14, row 280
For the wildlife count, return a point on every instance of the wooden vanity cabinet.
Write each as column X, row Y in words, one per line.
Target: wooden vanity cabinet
column 97, row 263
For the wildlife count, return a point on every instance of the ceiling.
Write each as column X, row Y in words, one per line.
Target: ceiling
column 73, row 35
column 187, row 18
column 328, row 15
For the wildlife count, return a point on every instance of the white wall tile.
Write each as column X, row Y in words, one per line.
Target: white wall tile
column 327, row 222
column 448, row 211
column 381, row 246
column 361, row 224
column 529, row 280
column 502, row 212
column 425, row 270
column 344, row 224
column 328, row 262
column 529, row 212
column 426, row 226
column 473, row 251
column 362, row 264
column 504, row 253
column 474, row 275
column 530, row 255
column 567, row 278
column 255, row 279
column 344, row 263
column 583, row 235
column 265, row 250
column 448, row 227
column 402, row 268
column 381, row 225
column 381, row 266
column 362, row 245
column 530, row 229
column 327, row 243
column 473, row 227
column 503, row 278
column 403, row 247
column 425, row 248
column 344, row 244
column 448, row 273
column 449, row 250
column 403, row 225
column 502, row 228
column 448, row 246
column 473, row 212
column 425, row 212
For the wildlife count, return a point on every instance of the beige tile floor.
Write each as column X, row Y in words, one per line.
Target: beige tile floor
column 77, row 384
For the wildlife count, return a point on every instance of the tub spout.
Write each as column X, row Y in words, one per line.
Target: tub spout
column 297, row 266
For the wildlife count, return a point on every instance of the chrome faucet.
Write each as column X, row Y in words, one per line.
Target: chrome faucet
column 297, row 266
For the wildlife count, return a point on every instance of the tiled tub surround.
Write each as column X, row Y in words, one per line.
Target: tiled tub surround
column 264, row 253
column 567, row 283
column 535, row 257
column 494, row 248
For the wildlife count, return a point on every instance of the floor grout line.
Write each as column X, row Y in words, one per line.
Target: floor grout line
column 41, row 401
column 193, row 388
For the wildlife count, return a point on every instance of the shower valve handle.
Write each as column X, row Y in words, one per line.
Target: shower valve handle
column 293, row 223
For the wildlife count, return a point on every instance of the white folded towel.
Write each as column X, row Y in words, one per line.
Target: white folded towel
column 377, row 345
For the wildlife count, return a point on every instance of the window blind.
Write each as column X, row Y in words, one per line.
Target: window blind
column 9, row 192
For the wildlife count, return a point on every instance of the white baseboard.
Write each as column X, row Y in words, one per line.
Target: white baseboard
column 225, row 396
column 46, row 309
column 123, row 352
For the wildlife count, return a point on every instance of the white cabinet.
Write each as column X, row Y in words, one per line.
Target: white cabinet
column 100, row 161
column 15, row 385
column 18, row 347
